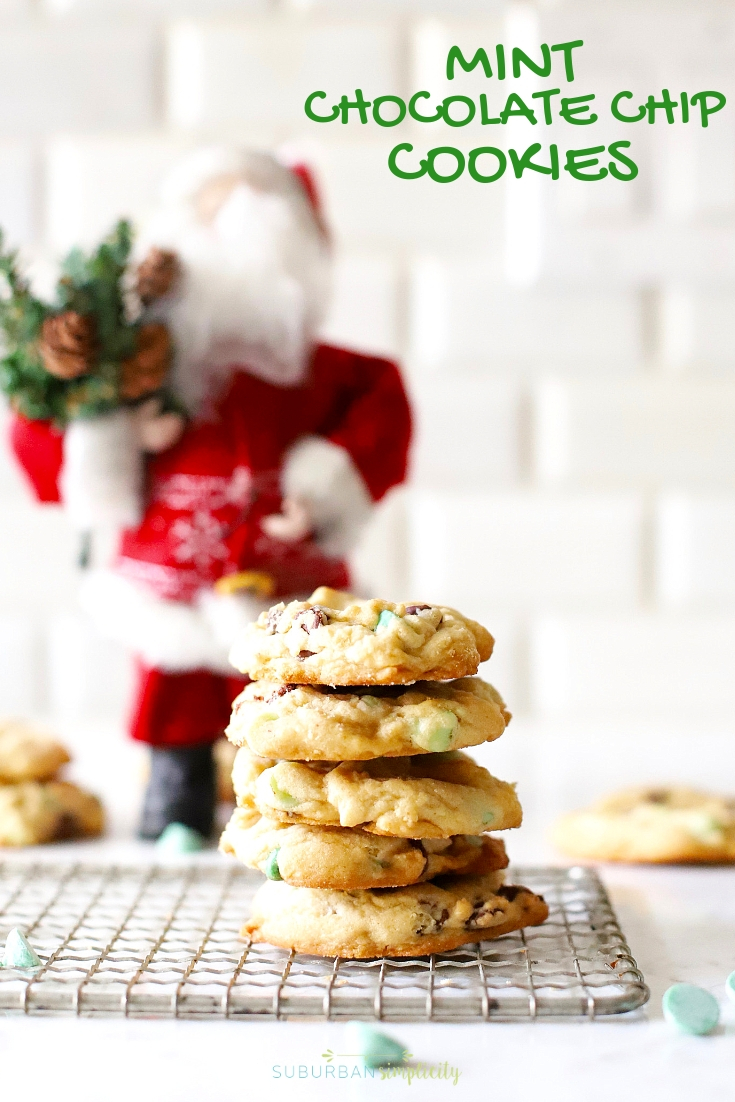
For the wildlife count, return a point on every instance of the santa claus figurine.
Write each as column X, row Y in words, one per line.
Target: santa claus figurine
column 258, row 491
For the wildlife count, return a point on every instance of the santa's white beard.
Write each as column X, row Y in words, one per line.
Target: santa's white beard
column 251, row 293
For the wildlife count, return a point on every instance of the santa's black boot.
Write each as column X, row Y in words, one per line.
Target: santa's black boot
column 182, row 789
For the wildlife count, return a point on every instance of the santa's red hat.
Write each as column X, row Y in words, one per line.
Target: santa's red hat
column 306, row 175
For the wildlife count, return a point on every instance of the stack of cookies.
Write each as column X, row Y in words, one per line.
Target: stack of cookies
column 35, row 806
column 353, row 795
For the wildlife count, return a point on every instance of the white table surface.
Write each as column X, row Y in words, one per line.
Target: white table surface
column 680, row 924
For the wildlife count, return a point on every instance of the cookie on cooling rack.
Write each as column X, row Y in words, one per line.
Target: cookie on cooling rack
column 391, row 922
column 28, row 753
column 337, row 639
column 80, row 813
column 316, row 723
column 32, row 813
column 427, row 796
column 340, row 858
column 652, row 825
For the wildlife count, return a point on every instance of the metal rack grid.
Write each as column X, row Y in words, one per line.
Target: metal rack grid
column 163, row 942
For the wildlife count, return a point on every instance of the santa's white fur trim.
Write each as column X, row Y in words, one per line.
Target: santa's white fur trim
column 168, row 635
column 323, row 476
column 199, row 167
column 102, row 476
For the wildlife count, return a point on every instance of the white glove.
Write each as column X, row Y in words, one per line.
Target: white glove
column 292, row 523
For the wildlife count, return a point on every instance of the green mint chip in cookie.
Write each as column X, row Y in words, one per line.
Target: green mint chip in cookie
column 435, row 733
column 487, row 818
column 284, row 798
column 265, row 717
column 271, row 869
column 385, row 619
column 706, row 829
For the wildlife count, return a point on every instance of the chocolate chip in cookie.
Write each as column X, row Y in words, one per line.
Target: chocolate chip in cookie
column 280, row 691
column 433, row 921
column 271, row 623
column 311, row 619
column 511, row 891
column 482, row 915
column 657, row 796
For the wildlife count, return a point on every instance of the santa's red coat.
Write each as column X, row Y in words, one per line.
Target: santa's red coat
column 206, row 495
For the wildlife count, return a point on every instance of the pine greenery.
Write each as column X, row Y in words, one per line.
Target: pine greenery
column 92, row 285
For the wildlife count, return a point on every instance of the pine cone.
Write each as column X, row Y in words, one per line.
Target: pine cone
column 145, row 371
column 156, row 275
column 68, row 344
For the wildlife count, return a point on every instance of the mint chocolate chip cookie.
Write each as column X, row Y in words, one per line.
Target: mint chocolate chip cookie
column 391, row 922
column 342, row 858
column 28, row 753
column 652, row 825
column 337, row 639
column 33, row 812
column 428, row 796
column 316, row 723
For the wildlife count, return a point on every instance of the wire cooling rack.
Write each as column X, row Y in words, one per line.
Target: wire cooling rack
column 163, row 942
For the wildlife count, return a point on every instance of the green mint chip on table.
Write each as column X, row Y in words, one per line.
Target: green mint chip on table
column 178, row 838
column 284, row 798
column 385, row 619
column 691, row 1009
column 18, row 952
column 376, row 1049
column 730, row 985
column 271, row 869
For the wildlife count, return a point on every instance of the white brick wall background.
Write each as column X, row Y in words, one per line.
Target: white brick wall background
column 570, row 349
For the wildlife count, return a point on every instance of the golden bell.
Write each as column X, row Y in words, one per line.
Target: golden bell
column 256, row 581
